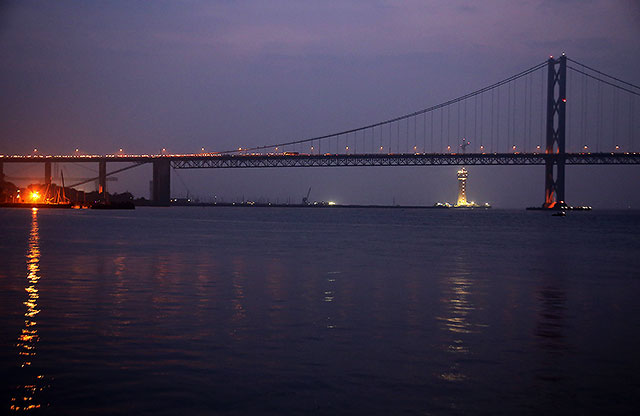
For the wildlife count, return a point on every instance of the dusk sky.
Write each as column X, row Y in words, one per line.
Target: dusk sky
column 182, row 75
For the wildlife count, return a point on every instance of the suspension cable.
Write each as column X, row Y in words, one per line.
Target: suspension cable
column 606, row 82
column 397, row 119
column 602, row 73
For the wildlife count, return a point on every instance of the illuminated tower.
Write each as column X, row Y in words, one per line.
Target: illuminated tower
column 462, row 188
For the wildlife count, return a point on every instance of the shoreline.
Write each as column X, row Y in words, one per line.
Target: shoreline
column 310, row 206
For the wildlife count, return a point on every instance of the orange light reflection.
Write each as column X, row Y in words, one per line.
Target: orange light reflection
column 25, row 396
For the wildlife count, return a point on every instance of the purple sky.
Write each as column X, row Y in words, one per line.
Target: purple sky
column 104, row 75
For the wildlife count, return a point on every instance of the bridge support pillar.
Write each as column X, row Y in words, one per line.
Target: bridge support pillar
column 102, row 179
column 555, row 145
column 161, row 185
column 47, row 173
column 1, row 179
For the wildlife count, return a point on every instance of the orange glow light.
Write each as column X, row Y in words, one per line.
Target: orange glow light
column 35, row 196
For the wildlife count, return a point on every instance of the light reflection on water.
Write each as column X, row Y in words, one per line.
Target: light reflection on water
column 26, row 397
column 307, row 313
column 329, row 296
column 238, row 279
column 457, row 321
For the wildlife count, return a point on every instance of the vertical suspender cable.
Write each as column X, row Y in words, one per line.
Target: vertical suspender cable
column 530, row 118
column 614, row 118
column 458, row 130
column 498, row 121
column 525, row 115
column 599, row 117
column 441, row 127
column 513, row 115
column 582, row 116
column 481, row 118
column 542, row 112
column 415, row 133
column 475, row 119
column 630, row 140
column 509, row 117
column 398, row 137
column 448, row 127
column 530, row 123
column 632, row 125
column 355, row 141
column 407, row 136
column 531, row 111
column 569, row 114
column 493, row 149
column 585, row 128
column 424, row 132
column 431, row 135
column 464, row 120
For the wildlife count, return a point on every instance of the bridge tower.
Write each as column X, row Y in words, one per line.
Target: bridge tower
column 161, row 184
column 556, row 118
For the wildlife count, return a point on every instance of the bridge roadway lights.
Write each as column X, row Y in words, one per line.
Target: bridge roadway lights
column 161, row 182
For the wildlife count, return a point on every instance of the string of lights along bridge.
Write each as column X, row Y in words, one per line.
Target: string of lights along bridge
column 557, row 112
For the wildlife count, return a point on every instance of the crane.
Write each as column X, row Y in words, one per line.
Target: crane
column 305, row 200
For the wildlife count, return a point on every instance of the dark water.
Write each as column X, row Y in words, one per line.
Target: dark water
column 319, row 311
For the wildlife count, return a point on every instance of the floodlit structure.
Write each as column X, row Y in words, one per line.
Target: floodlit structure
column 462, row 188
column 462, row 202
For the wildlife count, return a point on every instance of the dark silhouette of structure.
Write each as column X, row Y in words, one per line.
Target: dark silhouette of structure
column 479, row 112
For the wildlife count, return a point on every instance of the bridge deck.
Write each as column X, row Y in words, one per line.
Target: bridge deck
column 194, row 161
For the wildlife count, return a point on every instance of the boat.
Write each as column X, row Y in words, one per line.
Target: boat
column 113, row 205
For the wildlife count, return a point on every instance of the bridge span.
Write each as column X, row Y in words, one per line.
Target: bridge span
column 162, row 163
column 535, row 117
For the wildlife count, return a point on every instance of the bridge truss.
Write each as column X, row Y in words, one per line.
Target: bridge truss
column 298, row 161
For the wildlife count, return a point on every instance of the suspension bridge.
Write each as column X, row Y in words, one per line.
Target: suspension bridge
column 559, row 112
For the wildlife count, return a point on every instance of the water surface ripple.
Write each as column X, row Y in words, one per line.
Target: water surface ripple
column 319, row 311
